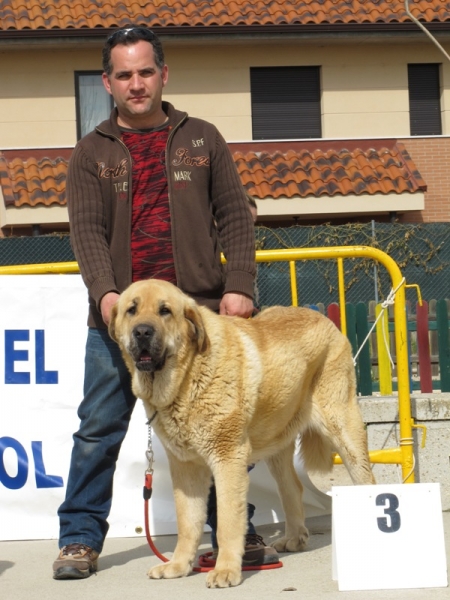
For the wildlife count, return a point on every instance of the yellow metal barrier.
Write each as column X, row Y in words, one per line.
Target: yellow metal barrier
column 41, row 269
column 404, row 454
column 383, row 343
column 341, row 288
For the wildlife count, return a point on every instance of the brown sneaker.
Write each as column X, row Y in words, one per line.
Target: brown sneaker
column 256, row 553
column 75, row 561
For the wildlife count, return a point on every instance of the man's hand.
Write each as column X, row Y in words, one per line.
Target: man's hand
column 237, row 305
column 106, row 304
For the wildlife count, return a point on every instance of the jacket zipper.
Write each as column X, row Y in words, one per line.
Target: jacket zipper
column 169, row 191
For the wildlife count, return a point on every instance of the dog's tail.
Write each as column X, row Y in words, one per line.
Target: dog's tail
column 316, row 452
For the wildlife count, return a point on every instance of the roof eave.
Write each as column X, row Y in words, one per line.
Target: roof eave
column 225, row 31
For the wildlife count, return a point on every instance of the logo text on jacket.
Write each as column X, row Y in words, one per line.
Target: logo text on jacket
column 189, row 161
column 119, row 170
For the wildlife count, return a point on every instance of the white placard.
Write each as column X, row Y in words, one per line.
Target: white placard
column 388, row 537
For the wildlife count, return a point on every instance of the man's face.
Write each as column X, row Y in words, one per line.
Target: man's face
column 136, row 85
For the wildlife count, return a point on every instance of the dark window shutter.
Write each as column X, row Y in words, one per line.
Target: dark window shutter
column 285, row 102
column 424, row 99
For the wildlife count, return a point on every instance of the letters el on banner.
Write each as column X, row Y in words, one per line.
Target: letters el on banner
column 43, row 334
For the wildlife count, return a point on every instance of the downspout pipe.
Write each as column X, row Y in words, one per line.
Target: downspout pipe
column 419, row 24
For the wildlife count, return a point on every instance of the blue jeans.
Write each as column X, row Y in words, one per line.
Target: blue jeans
column 104, row 414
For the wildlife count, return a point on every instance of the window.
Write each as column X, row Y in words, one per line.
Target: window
column 424, row 99
column 285, row 102
column 93, row 103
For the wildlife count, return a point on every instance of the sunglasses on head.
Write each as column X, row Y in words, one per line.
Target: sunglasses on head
column 124, row 33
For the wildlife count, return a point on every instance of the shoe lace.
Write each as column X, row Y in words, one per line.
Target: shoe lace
column 73, row 549
column 253, row 539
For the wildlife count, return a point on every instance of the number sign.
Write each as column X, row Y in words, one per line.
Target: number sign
column 388, row 537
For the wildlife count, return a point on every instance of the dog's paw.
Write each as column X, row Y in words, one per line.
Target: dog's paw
column 222, row 578
column 169, row 570
column 292, row 544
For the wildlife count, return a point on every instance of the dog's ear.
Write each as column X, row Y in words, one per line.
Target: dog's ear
column 199, row 334
column 112, row 323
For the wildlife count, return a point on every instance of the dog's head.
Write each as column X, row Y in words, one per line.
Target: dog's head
column 154, row 321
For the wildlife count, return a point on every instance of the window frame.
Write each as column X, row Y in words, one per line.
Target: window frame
column 425, row 102
column 78, row 75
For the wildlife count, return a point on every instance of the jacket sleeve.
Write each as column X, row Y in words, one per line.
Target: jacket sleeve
column 88, row 233
column 234, row 222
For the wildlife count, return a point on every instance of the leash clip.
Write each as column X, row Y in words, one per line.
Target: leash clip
column 150, row 459
column 149, row 453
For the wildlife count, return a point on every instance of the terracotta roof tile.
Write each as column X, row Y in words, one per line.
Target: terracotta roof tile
column 33, row 181
column 273, row 170
column 326, row 171
column 78, row 14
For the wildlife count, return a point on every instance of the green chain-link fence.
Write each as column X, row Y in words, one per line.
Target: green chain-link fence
column 421, row 251
column 35, row 250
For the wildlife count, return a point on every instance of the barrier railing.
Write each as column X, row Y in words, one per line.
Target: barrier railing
column 403, row 455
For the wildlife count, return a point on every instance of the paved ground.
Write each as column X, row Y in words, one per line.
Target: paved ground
column 25, row 573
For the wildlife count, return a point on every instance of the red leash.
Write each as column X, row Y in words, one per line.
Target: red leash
column 206, row 563
column 147, row 496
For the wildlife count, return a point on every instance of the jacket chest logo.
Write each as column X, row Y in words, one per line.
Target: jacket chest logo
column 119, row 170
column 183, row 158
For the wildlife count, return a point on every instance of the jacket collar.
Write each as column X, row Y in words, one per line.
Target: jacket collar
column 111, row 127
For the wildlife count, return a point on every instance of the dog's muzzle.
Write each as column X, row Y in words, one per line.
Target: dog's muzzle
column 147, row 349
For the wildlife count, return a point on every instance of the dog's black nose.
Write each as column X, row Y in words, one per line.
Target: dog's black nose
column 142, row 332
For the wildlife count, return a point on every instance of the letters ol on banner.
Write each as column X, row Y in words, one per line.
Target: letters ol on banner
column 388, row 537
column 42, row 343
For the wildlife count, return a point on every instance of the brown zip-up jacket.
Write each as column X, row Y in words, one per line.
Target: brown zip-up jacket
column 208, row 208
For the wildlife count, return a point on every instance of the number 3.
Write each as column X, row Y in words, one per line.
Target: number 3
column 390, row 510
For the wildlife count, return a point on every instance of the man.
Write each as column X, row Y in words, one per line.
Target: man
column 151, row 193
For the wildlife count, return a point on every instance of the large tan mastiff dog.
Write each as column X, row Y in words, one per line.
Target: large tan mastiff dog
column 229, row 392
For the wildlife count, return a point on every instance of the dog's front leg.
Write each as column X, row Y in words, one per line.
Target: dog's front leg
column 191, row 482
column 231, row 481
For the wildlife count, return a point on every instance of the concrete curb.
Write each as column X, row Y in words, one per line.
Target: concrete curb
column 432, row 462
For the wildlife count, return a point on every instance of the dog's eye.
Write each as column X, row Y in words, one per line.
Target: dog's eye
column 165, row 310
column 132, row 310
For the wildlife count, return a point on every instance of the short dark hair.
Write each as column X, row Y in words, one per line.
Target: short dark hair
column 129, row 35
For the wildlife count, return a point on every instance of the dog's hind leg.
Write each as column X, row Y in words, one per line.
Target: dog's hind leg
column 290, row 489
column 191, row 482
column 336, row 422
column 349, row 439
column 338, row 426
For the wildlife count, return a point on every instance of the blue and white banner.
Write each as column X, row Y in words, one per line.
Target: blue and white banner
column 42, row 339
column 42, row 335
